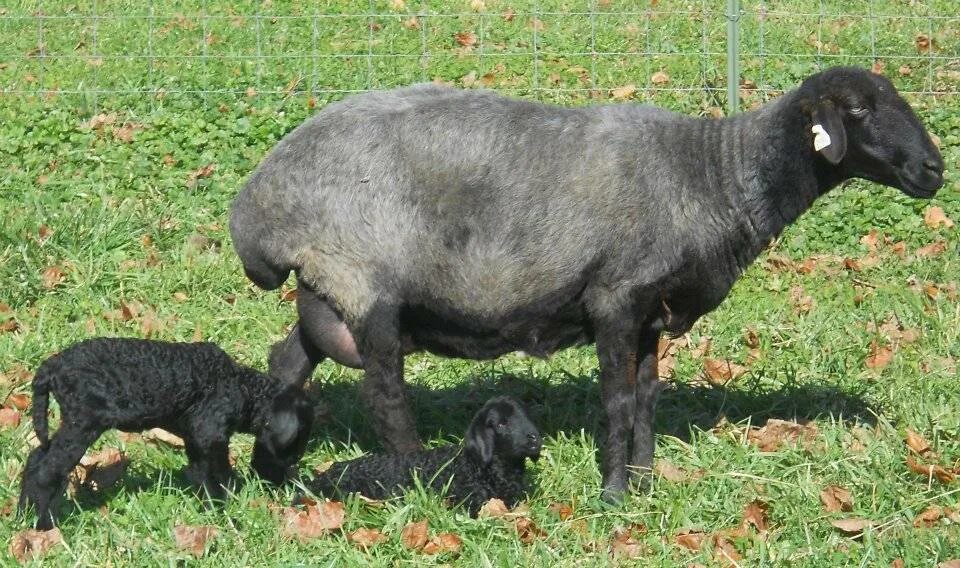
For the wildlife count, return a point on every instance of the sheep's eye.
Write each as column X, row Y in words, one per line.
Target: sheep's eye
column 857, row 111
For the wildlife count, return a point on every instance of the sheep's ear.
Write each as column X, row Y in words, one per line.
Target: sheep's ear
column 829, row 134
column 479, row 440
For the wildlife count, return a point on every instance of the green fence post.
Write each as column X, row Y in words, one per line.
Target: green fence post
column 733, row 59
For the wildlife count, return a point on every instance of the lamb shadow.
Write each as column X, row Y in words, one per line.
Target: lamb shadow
column 572, row 403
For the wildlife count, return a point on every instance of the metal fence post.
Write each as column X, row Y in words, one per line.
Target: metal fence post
column 733, row 59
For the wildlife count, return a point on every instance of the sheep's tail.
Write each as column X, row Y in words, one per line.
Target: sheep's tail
column 41, row 401
column 249, row 229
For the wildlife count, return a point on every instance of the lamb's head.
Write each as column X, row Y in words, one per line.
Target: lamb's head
column 283, row 438
column 864, row 128
column 502, row 428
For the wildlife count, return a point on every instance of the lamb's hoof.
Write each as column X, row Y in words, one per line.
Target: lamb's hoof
column 613, row 493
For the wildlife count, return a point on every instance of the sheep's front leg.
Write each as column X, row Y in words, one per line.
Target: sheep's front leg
column 293, row 359
column 383, row 390
column 209, row 466
column 647, row 390
column 617, row 351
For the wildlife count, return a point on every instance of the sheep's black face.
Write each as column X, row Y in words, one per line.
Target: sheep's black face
column 502, row 428
column 871, row 132
column 283, row 439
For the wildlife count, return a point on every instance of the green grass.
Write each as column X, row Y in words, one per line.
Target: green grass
column 100, row 196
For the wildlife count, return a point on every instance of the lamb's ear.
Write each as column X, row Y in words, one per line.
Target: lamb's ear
column 479, row 438
column 829, row 134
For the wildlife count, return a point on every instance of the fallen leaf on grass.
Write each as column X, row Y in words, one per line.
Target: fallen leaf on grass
column 917, row 443
column 932, row 515
column 659, row 78
column 201, row 172
column 9, row 418
column 9, row 325
column 161, row 435
column 527, row 530
column 32, row 544
column 852, row 526
column 20, row 401
column 721, row 371
column 364, row 538
column 935, row 248
column 879, row 356
column 99, row 470
column 690, row 539
column 724, row 550
column 317, row 519
column 562, row 510
column 466, row 39
column 950, row 564
column 934, row 217
column 52, row 277
column 194, row 538
column 776, row 432
column 446, row 542
column 836, row 499
column 623, row 93
column 931, row 470
column 755, row 513
column 493, row 509
column 624, row 543
column 414, row 535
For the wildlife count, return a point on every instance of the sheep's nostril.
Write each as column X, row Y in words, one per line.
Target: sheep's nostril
column 935, row 166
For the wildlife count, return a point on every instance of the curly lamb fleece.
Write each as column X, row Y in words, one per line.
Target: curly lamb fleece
column 194, row 390
column 490, row 464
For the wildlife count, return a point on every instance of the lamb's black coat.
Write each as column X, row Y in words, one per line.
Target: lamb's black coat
column 470, row 224
column 194, row 390
column 490, row 464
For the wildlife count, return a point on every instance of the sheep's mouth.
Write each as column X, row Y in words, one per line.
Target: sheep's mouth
column 923, row 186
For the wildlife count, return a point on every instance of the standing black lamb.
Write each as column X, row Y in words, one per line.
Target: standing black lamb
column 471, row 225
column 194, row 390
column 490, row 464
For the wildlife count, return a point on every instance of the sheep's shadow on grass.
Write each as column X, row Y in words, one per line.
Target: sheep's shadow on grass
column 573, row 403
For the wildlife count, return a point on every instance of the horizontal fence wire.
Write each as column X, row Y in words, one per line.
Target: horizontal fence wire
column 121, row 52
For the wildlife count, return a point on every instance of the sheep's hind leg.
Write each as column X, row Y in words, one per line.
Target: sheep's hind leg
column 383, row 390
column 293, row 359
column 647, row 390
column 51, row 470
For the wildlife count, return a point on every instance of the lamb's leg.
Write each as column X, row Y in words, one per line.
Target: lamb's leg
column 209, row 467
column 383, row 390
column 648, row 387
column 617, row 351
column 48, row 480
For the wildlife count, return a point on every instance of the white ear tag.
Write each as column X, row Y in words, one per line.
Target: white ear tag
column 822, row 139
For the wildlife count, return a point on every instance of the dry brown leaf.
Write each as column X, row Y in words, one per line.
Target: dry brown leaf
column 851, row 526
column 934, row 217
column 44, row 232
column 125, row 132
column 52, row 277
column 724, row 550
column 916, row 442
column 755, row 513
column 924, row 42
column 20, row 401
column 776, row 432
column 950, row 564
column 99, row 470
column 101, row 119
column 466, row 39
column 905, row 70
column 9, row 418
column 721, row 371
column 870, row 240
column 659, row 78
column 623, row 93
column 750, row 338
column 690, row 539
column 203, row 171
column 414, row 535
column 161, row 435
column 412, row 23
column 624, row 543
column 150, row 324
column 527, row 530
column 508, row 15
column 478, row 5
column 9, row 325
column 314, row 521
column 493, row 509
column 802, row 302
column 897, row 563
column 365, row 538
column 931, row 516
column 194, row 538
column 32, row 544
column 446, row 542
column 562, row 510
column 879, row 357
column 935, row 248
column 931, row 470
column 836, row 499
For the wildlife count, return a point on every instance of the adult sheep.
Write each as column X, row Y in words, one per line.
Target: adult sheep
column 471, row 225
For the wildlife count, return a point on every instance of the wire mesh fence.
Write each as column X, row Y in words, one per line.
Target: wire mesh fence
column 674, row 53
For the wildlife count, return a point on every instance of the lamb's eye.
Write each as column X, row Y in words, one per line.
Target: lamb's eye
column 857, row 111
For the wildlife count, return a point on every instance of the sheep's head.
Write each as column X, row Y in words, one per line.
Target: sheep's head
column 864, row 128
column 502, row 428
column 283, row 438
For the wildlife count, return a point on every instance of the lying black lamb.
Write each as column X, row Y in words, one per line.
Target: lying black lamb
column 194, row 390
column 490, row 464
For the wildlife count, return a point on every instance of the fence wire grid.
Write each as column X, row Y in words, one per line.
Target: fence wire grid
column 670, row 52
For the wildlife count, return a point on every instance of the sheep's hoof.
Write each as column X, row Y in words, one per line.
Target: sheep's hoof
column 614, row 493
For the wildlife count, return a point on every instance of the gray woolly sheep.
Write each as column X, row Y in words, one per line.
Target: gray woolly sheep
column 468, row 224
